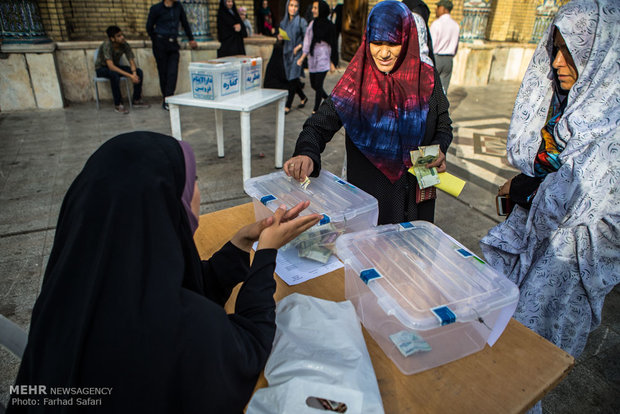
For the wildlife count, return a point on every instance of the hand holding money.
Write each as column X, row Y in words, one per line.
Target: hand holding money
column 299, row 167
column 425, row 161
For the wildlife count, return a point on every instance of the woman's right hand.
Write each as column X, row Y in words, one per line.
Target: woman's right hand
column 237, row 27
column 299, row 167
column 284, row 229
column 300, row 61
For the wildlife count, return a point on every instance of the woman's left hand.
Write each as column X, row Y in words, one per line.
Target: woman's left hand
column 440, row 163
column 247, row 235
column 300, row 61
column 297, row 49
column 237, row 27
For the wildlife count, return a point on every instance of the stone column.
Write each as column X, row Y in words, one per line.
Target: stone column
column 475, row 19
column 544, row 16
column 20, row 22
column 197, row 12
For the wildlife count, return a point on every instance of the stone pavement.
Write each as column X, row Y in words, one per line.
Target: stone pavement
column 41, row 152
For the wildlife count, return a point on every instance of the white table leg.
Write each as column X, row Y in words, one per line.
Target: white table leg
column 246, row 145
column 219, row 132
column 175, row 121
column 280, row 132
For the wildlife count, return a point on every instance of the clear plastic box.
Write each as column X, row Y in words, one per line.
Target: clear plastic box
column 421, row 295
column 345, row 208
column 251, row 71
column 215, row 80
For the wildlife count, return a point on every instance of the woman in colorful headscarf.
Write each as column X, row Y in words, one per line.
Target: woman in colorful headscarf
column 295, row 28
column 127, row 304
column 321, row 48
column 561, row 243
column 230, row 30
column 390, row 102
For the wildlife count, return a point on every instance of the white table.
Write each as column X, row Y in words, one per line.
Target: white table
column 243, row 103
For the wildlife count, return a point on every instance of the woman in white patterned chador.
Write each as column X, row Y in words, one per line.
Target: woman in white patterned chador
column 561, row 243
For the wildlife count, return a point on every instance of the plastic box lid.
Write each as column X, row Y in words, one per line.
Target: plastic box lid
column 329, row 195
column 422, row 276
column 214, row 65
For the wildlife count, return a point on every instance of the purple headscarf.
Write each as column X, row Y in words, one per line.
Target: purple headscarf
column 190, row 180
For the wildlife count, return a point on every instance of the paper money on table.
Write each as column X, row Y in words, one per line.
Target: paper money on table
column 419, row 158
column 317, row 243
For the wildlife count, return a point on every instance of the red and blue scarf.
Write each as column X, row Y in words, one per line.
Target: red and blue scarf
column 385, row 114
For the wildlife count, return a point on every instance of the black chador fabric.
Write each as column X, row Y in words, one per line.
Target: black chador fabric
column 126, row 302
column 231, row 41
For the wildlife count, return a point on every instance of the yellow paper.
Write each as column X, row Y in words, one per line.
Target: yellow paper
column 284, row 34
column 448, row 183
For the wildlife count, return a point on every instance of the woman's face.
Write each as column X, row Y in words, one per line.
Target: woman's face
column 563, row 63
column 385, row 55
column 315, row 9
column 265, row 4
column 229, row 4
column 195, row 205
column 293, row 7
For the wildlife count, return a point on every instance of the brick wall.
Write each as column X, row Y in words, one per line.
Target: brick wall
column 510, row 20
column 53, row 18
column 87, row 19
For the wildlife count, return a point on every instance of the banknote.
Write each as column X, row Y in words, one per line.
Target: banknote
column 318, row 242
column 419, row 158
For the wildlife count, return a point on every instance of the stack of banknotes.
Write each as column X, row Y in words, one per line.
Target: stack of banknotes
column 318, row 242
column 419, row 158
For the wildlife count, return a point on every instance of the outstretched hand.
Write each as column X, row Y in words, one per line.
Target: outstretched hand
column 247, row 235
column 285, row 226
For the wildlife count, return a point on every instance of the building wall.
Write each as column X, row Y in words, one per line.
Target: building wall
column 66, row 20
column 509, row 20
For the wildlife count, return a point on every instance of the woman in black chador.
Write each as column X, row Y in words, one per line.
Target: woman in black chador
column 126, row 302
column 230, row 30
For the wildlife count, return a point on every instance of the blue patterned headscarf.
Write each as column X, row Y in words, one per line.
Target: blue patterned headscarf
column 385, row 114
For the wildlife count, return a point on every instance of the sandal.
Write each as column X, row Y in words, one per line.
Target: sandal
column 303, row 103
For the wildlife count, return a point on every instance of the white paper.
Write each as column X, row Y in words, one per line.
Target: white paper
column 500, row 323
column 294, row 269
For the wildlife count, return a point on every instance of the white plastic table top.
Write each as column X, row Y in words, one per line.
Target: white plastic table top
column 245, row 104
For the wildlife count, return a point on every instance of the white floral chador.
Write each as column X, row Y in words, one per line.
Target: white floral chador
column 564, row 253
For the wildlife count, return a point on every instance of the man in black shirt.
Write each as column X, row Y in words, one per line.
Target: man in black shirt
column 162, row 26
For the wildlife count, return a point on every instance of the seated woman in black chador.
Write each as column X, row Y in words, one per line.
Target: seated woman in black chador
column 127, row 304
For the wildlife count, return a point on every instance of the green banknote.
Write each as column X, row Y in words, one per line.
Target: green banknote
column 419, row 158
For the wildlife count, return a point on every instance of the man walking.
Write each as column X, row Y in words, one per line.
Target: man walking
column 108, row 66
column 445, row 35
column 162, row 26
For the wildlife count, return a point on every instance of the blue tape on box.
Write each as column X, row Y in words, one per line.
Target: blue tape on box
column 444, row 314
column 267, row 199
column 324, row 220
column 369, row 274
column 407, row 225
column 464, row 253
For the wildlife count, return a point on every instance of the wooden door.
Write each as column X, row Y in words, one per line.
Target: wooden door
column 353, row 26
